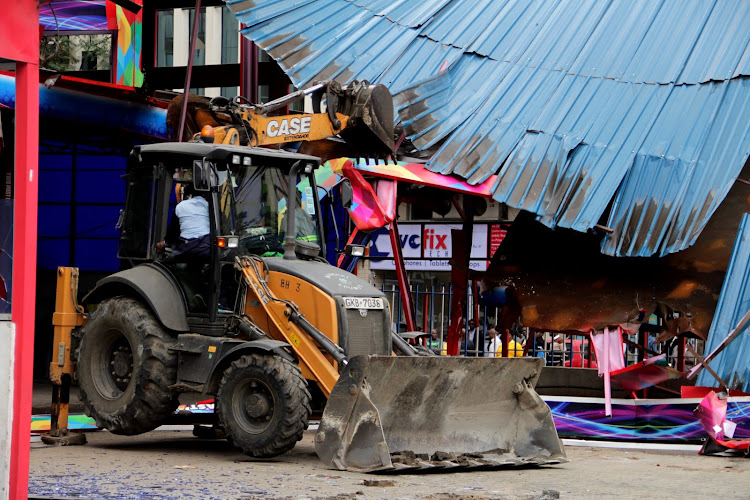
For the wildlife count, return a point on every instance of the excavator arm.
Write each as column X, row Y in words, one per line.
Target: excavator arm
column 360, row 114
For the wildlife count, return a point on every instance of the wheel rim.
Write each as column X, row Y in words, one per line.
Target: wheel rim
column 112, row 367
column 254, row 405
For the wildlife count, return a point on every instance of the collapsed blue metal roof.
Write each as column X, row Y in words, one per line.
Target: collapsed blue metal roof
column 636, row 110
column 732, row 364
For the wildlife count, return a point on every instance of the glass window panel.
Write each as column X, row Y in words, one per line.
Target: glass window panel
column 297, row 106
column 230, row 91
column 165, row 38
column 263, row 93
column 199, row 57
column 230, row 51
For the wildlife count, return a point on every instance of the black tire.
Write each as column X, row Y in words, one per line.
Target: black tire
column 263, row 404
column 124, row 368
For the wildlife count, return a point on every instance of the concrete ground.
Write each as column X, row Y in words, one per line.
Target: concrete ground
column 173, row 464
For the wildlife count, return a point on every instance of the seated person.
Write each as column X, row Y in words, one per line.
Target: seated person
column 191, row 250
column 194, row 240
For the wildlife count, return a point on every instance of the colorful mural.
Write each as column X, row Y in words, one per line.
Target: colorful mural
column 77, row 15
column 668, row 420
column 366, row 211
column 76, row 422
column 639, row 420
column 417, row 173
column 127, row 59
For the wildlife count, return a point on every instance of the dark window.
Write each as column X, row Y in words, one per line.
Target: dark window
column 165, row 38
column 88, row 60
column 296, row 106
column 137, row 222
column 229, row 40
column 230, row 91
column 199, row 57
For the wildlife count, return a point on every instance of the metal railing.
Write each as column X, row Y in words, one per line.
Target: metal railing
column 433, row 312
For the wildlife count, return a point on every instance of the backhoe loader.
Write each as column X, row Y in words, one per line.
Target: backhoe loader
column 273, row 332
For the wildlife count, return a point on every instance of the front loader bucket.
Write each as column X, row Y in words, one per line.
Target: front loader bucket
column 371, row 133
column 431, row 412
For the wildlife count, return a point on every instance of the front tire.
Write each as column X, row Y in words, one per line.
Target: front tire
column 125, row 368
column 263, row 405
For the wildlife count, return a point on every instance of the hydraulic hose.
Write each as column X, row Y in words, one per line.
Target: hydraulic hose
column 402, row 346
column 323, row 341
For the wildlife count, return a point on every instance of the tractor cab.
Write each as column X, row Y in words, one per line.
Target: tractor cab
column 247, row 212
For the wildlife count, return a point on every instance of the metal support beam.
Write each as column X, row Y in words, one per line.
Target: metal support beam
column 702, row 361
column 68, row 315
column 403, row 278
column 724, row 343
column 186, row 89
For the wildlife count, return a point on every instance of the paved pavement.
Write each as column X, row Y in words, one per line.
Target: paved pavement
column 173, row 464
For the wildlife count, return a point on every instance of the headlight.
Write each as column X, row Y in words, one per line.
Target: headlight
column 355, row 250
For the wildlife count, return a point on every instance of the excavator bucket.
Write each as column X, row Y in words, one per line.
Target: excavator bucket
column 372, row 110
column 406, row 413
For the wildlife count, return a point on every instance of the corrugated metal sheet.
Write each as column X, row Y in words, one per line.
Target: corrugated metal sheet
column 577, row 105
column 732, row 364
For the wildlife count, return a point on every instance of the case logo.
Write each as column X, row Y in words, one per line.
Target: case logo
column 288, row 126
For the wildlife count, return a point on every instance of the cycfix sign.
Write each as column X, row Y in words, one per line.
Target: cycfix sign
column 428, row 246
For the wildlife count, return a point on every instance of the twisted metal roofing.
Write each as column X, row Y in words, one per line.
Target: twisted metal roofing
column 630, row 113
column 732, row 364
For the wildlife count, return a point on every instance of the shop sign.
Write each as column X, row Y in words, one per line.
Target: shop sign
column 427, row 247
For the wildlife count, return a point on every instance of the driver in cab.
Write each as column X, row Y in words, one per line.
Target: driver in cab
column 194, row 226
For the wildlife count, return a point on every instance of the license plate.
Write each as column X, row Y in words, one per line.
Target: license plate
column 363, row 303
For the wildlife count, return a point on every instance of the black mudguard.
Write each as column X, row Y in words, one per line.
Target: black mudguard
column 150, row 283
column 203, row 359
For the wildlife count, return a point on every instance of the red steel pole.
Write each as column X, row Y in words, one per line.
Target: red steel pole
column 459, row 278
column 403, row 279
column 24, row 270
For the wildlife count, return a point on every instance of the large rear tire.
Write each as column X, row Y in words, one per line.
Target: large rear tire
column 263, row 405
column 124, row 368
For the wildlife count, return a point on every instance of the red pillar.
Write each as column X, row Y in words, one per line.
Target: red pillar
column 459, row 278
column 24, row 269
column 403, row 279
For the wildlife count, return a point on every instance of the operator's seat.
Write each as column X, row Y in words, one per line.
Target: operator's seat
column 194, row 279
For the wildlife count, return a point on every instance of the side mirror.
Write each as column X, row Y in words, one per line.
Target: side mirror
column 201, row 176
column 347, row 193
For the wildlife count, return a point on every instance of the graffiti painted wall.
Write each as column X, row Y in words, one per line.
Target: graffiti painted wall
column 127, row 58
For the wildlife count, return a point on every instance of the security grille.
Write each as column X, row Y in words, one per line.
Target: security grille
column 365, row 333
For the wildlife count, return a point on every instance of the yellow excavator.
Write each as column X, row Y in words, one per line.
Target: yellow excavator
column 274, row 333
